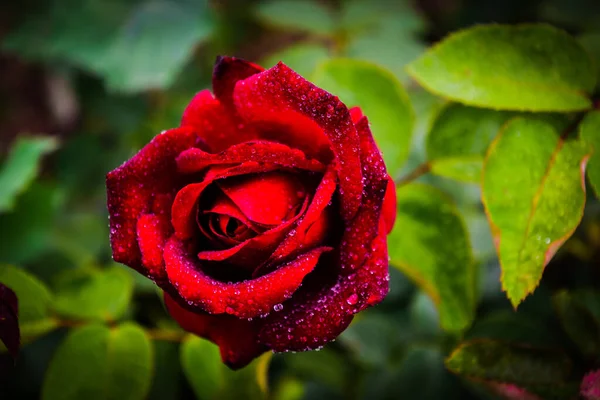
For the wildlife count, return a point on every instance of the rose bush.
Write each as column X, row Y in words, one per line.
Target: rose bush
column 263, row 217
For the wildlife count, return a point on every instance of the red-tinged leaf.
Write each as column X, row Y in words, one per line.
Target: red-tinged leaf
column 534, row 195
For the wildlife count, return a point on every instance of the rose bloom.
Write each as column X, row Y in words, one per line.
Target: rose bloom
column 263, row 217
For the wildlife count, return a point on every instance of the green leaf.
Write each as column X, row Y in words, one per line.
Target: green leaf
column 302, row 58
column 382, row 32
column 430, row 244
column 94, row 295
column 133, row 45
column 459, row 138
column 579, row 314
column 25, row 231
column 531, row 368
column 591, row 42
column 382, row 99
column 589, row 130
column 98, row 363
column 211, row 379
column 21, row 167
column 155, row 42
column 34, row 300
column 534, row 198
column 531, row 67
column 297, row 15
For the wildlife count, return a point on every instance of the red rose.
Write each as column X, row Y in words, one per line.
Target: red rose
column 263, row 217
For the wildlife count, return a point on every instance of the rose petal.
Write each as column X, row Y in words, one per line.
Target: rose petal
column 282, row 97
column 356, row 114
column 324, row 306
column 254, row 251
column 227, row 71
column 388, row 212
column 152, row 233
column 10, row 333
column 265, row 198
column 245, row 299
column 237, row 338
column 196, row 160
column 361, row 231
column 295, row 241
column 133, row 188
column 218, row 127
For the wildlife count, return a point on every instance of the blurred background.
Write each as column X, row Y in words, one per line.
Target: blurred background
column 84, row 84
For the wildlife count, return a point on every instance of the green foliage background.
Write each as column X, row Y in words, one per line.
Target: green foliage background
column 495, row 257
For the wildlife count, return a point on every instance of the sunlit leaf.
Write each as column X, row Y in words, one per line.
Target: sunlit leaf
column 590, row 132
column 99, row 363
column 534, row 198
column 459, row 138
column 94, row 295
column 211, row 379
column 34, row 301
column 529, row 67
column 300, row 15
column 21, row 166
column 382, row 99
column 430, row 245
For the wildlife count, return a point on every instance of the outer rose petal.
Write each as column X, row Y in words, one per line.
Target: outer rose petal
column 365, row 225
column 152, row 232
column 324, row 306
column 134, row 188
column 237, row 338
column 227, row 71
column 196, row 160
column 214, row 123
column 246, row 299
column 281, row 96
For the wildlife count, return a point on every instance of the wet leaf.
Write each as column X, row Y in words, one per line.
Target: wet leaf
column 459, row 138
column 382, row 99
column 532, row 67
column 430, row 244
column 98, row 363
column 534, row 197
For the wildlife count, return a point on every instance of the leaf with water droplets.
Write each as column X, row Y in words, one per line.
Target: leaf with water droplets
column 590, row 132
column 532, row 67
column 381, row 97
column 430, row 244
column 459, row 138
column 534, row 195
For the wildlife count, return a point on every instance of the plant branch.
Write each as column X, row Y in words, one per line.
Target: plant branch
column 414, row 174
